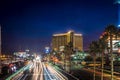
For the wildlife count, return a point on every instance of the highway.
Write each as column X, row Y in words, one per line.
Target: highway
column 51, row 74
column 33, row 72
column 38, row 70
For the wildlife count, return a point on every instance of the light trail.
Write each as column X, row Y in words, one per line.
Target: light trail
column 75, row 78
column 39, row 70
column 41, row 76
column 25, row 77
column 34, row 76
column 53, row 73
column 21, row 75
column 57, row 74
column 46, row 74
column 16, row 74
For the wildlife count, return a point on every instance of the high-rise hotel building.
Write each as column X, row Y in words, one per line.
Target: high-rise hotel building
column 60, row 40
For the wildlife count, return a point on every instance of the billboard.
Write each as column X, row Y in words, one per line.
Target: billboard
column 115, row 44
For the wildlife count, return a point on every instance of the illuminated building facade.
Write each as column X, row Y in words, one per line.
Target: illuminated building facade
column 115, row 43
column 60, row 40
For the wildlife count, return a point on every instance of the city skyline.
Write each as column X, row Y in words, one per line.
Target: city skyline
column 30, row 24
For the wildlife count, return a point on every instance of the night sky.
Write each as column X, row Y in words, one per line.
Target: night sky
column 29, row 24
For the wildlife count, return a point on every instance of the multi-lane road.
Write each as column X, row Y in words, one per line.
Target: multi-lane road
column 38, row 70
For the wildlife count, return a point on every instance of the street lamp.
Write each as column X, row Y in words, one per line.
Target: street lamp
column 119, row 25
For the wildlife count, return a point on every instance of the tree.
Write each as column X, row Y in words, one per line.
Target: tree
column 111, row 31
column 88, row 58
column 68, row 52
column 93, row 49
column 102, row 46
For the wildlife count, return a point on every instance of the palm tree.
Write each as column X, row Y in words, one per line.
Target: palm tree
column 93, row 48
column 102, row 47
column 111, row 31
column 70, row 52
column 66, row 56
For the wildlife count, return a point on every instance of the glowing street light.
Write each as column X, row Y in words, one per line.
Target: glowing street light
column 117, row 1
column 119, row 25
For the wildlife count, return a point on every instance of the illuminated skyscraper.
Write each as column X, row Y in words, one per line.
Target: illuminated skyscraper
column 60, row 40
